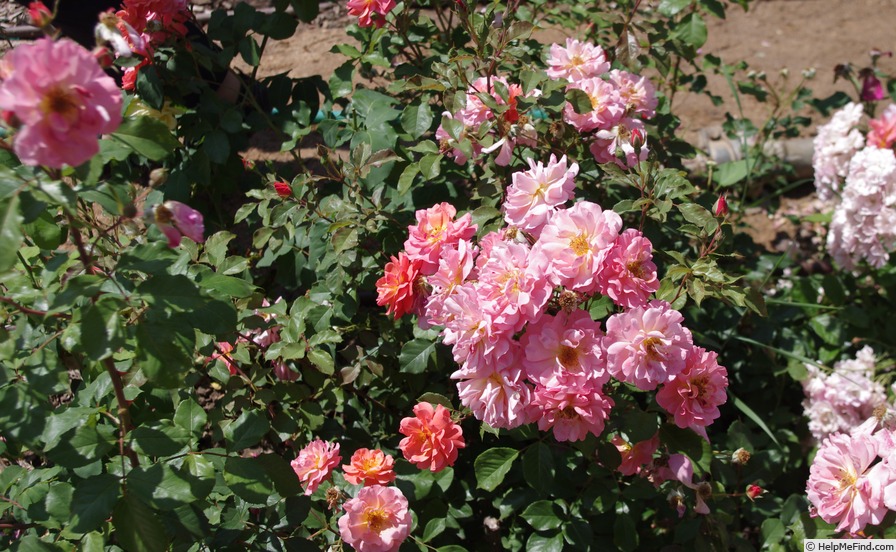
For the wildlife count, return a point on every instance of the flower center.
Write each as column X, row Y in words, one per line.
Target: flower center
column 568, row 413
column 63, row 102
column 376, row 518
column 649, row 345
column 579, row 244
column 636, row 269
column 569, row 357
column 576, row 61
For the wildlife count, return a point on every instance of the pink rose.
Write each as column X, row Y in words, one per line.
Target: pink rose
column 377, row 520
column 432, row 440
column 315, row 463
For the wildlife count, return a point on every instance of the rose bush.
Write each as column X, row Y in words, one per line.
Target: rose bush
column 491, row 312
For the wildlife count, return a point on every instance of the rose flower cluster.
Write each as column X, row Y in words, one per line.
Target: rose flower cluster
column 855, row 171
column 378, row 518
column 513, row 308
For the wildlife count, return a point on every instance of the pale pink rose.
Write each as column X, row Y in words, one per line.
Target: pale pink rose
column 177, row 220
column 634, row 457
column 432, row 440
column 693, row 396
column 62, row 100
column 456, row 266
column 315, row 463
column 681, row 469
column 882, row 130
column 833, row 147
column 557, row 347
column 607, row 107
column 370, row 12
column 514, row 294
column 377, row 520
column 574, row 243
column 624, row 144
column 577, row 61
column 637, row 93
column 628, row 275
column 570, row 412
column 538, row 192
column 369, row 467
column 498, row 397
column 839, row 485
column 436, row 229
column 402, row 287
column 487, row 242
column 646, row 346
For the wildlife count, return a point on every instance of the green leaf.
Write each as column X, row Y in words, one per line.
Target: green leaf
column 190, row 416
column 669, row 8
column 45, row 231
column 85, row 445
column 730, row 173
column 406, row 180
column 137, row 528
column 697, row 214
column 538, row 468
column 247, row 478
column 246, row 430
column 691, row 30
column 201, row 473
column 542, row 515
column 415, row 355
column 217, row 146
column 10, row 232
column 147, row 137
column 541, row 543
column 625, row 533
column 160, row 439
column 161, row 486
column 323, row 360
column 492, row 465
column 306, row 10
column 93, row 500
column 417, row 119
column 101, row 328
column 742, row 406
column 281, row 474
column 580, row 101
column 250, row 51
column 578, row 534
column 434, row 528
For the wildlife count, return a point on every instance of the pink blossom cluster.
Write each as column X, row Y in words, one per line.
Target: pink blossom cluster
column 841, row 400
column 852, row 479
column 58, row 100
column 489, row 131
column 620, row 101
column 262, row 338
column 856, row 174
column 510, row 307
column 377, row 519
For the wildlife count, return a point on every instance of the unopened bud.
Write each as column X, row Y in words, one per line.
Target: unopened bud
column 740, row 457
column 754, row 491
column 283, row 189
column 40, row 15
column 157, row 177
column 872, row 89
column 721, row 207
column 637, row 138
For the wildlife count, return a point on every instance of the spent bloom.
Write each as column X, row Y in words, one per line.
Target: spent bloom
column 635, row 456
column 315, row 463
column 370, row 467
column 535, row 194
column 370, row 12
column 432, row 439
column 377, row 520
column 62, row 99
column 176, row 220
column 646, row 346
column 577, row 61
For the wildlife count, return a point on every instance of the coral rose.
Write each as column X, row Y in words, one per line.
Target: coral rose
column 432, row 440
column 369, row 467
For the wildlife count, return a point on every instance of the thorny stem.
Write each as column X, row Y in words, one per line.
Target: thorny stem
column 27, row 310
column 124, row 415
